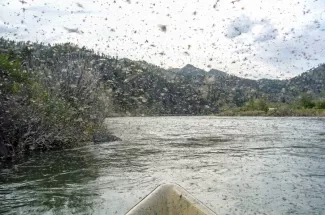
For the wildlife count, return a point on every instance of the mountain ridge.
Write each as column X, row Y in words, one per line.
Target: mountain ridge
column 138, row 87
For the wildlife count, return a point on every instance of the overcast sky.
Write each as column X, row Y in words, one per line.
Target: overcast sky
column 248, row 38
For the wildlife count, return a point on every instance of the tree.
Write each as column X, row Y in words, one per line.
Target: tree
column 320, row 104
column 306, row 101
column 261, row 104
column 251, row 104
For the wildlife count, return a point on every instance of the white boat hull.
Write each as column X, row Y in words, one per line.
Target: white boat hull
column 170, row 199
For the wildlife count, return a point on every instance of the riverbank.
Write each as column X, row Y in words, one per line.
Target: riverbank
column 276, row 113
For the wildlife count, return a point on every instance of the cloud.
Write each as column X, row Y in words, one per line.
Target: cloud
column 58, row 12
column 295, row 50
column 239, row 26
column 264, row 32
column 259, row 30
column 7, row 29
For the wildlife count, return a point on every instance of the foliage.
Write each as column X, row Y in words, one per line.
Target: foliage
column 11, row 75
column 320, row 104
column 306, row 101
column 44, row 107
column 243, row 113
column 257, row 105
column 262, row 105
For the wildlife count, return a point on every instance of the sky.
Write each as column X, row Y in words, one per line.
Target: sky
column 248, row 38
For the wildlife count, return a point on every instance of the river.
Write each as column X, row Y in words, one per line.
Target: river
column 234, row 165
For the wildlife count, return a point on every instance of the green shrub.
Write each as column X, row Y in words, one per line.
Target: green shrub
column 36, row 115
column 261, row 105
column 320, row 105
column 306, row 101
column 256, row 105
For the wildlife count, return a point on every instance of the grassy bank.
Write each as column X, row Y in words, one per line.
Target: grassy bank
column 278, row 113
column 304, row 105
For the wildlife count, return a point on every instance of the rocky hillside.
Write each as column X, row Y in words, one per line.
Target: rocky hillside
column 137, row 87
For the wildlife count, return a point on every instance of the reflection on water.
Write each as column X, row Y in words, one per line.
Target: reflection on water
column 234, row 165
column 51, row 182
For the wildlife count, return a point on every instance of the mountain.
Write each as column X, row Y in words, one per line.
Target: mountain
column 137, row 87
column 191, row 73
column 312, row 82
column 190, row 70
column 217, row 73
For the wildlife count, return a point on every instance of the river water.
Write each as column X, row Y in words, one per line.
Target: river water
column 235, row 165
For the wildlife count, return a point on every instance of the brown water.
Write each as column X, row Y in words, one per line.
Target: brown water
column 241, row 165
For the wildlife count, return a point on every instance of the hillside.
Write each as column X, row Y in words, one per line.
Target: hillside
column 137, row 87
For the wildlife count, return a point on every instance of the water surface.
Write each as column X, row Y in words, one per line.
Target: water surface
column 241, row 165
